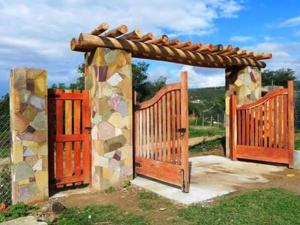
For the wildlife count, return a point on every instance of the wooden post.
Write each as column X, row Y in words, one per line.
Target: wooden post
column 185, row 124
column 233, row 127
column 291, row 123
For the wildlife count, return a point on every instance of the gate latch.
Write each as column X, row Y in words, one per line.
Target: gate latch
column 181, row 131
column 137, row 164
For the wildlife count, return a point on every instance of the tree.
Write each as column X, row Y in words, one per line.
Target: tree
column 277, row 77
column 142, row 85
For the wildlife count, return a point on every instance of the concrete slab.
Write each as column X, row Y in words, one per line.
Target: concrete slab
column 211, row 177
column 28, row 220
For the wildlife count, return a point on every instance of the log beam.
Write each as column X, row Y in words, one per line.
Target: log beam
column 89, row 42
column 100, row 29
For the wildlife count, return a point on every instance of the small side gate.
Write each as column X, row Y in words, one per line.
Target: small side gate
column 69, row 138
column 161, row 135
column 264, row 130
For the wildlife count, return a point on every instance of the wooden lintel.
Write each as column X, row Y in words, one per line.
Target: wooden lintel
column 100, row 29
column 117, row 31
column 89, row 42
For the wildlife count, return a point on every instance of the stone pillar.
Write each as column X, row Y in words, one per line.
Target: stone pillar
column 29, row 147
column 246, row 84
column 108, row 77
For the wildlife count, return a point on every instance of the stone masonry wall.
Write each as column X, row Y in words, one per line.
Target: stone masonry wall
column 108, row 77
column 246, row 84
column 29, row 153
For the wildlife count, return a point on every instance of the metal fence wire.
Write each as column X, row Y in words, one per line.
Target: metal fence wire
column 5, row 181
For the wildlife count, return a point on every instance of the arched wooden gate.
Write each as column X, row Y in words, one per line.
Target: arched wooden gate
column 161, row 135
column 264, row 130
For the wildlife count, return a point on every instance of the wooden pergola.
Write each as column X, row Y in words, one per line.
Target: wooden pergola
column 147, row 46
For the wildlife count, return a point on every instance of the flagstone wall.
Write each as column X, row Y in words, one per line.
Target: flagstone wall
column 108, row 77
column 246, row 84
column 29, row 153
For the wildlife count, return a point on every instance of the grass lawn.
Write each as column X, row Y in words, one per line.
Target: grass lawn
column 269, row 206
column 297, row 139
column 206, row 146
column 205, row 131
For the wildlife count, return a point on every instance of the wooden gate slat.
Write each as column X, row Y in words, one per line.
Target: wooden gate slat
column 173, row 131
column 86, row 119
column 164, row 126
column 169, row 127
column 59, row 130
column 178, row 125
column 77, row 147
column 68, row 130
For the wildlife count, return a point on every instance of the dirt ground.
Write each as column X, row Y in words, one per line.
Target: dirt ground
column 128, row 198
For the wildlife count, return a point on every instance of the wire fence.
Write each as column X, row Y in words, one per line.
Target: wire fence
column 5, row 179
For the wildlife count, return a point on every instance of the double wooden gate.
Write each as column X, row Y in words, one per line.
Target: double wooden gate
column 161, row 135
column 69, row 137
column 264, row 130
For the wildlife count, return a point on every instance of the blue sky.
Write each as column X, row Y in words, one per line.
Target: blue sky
column 37, row 33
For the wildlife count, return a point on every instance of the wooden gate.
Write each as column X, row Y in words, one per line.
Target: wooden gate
column 69, row 137
column 264, row 130
column 161, row 135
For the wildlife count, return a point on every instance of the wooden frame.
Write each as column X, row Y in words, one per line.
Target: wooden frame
column 161, row 135
column 264, row 130
column 69, row 140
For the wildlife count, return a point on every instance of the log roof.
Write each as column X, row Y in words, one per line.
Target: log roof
column 148, row 46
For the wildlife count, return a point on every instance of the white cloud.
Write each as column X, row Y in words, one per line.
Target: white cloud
column 285, row 55
column 37, row 33
column 297, row 33
column 241, row 38
column 291, row 22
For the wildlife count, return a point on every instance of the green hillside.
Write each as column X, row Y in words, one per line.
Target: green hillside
column 210, row 101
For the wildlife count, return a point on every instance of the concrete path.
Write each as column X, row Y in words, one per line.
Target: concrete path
column 211, row 177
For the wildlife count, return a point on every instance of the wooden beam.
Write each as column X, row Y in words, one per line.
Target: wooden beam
column 133, row 35
column 100, row 29
column 117, row 31
column 89, row 42
column 162, row 39
column 146, row 37
column 183, row 44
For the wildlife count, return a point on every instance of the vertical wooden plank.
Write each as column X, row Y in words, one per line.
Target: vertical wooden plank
column 260, row 122
column 140, row 149
column 233, row 127
column 86, row 124
column 152, row 132
column 275, row 127
column 265, row 124
column 51, row 134
column 77, row 145
column 156, row 131
column 285, row 118
column 169, row 127
column 247, row 128
column 144, row 152
column 68, row 130
column 256, row 126
column 136, row 132
column 178, row 126
column 239, row 125
column 185, row 124
column 252, row 124
column 173, row 131
column 291, row 122
column 164, row 126
column 243, row 122
column 159, row 131
column 59, row 131
column 149, row 153
column 271, row 122
column 280, row 120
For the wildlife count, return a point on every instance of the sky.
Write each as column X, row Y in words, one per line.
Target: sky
column 37, row 33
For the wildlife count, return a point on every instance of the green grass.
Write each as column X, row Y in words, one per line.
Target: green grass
column 297, row 140
column 205, row 146
column 108, row 214
column 206, row 131
column 271, row 206
column 16, row 211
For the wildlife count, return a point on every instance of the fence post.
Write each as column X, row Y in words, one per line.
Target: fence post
column 29, row 131
column 185, row 124
column 291, row 123
column 233, row 129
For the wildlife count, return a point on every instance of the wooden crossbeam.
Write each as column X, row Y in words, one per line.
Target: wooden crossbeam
column 117, row 31
column 148, row 50
column 100, row 29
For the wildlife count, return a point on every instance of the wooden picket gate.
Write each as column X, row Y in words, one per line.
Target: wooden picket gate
column 161, row 135
column 69, row 137
column 264, row 130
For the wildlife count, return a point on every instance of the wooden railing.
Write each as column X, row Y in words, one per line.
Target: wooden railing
column 161, row 126
column 264, row 130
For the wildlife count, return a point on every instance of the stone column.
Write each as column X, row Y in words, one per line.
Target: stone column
column 29, row 147
column 246, row 84
column 108, row 77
